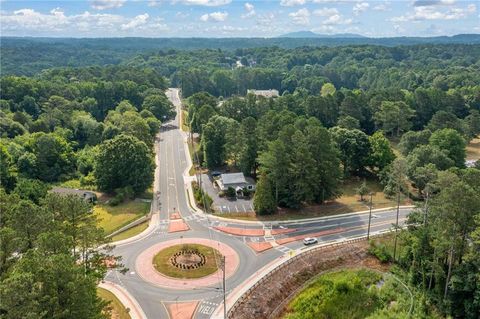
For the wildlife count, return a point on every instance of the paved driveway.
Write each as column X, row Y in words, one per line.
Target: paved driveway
column 224, row 205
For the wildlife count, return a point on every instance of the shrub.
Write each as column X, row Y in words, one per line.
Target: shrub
column 380, row 251
column 122, row 194
column 230, row 193
column 202, row 199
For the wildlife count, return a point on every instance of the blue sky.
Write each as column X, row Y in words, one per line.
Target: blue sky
column 232, row 18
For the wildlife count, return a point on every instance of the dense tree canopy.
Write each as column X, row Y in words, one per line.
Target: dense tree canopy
column 124, row 161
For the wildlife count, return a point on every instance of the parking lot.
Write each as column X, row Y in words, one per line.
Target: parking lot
column 223, row 204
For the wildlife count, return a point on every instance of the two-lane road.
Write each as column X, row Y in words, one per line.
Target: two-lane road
column 170, row 196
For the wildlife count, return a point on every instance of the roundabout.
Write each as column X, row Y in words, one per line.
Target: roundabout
column 186, row 263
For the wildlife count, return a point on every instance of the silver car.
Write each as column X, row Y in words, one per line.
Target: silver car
column 310, row 241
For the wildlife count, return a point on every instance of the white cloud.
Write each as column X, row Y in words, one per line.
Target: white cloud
column 250, row 8
column 381, row 7
column 325, row 12
column 333, row 17
column 154, row 3
column 337, row 19
column 360, row 7
column 335, row 1
column 136, row 22
column 182, row 15
column 56, row 22
column 426, row 3
column 107, row 4
column 291, row 3
column 431, row 13
column 301, row 17
column 206, row 3
column 214, row 16
column 266, row 19
column 224, row 29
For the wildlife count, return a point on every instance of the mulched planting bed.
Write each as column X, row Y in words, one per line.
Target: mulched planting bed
column 187, row 261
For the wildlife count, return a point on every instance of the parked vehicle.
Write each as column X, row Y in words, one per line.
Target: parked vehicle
column 215, row 174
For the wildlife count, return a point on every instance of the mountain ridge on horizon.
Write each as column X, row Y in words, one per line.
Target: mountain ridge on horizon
column 311, row 34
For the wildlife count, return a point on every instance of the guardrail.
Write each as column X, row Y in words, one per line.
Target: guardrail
column 304, row 253
column 136, row 221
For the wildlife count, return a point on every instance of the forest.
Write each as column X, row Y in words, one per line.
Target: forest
column 340, row 112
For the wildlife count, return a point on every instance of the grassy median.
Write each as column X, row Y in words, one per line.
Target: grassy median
column 115, row 307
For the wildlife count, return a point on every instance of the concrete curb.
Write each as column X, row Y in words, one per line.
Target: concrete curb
column 134, row 309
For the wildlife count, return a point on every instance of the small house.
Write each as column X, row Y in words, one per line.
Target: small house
column 264, row 93
column 236, row 181
column 88, row 196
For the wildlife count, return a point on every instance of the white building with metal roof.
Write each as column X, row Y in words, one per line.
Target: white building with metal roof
column 235, row 180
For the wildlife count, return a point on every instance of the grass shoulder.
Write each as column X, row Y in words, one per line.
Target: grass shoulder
column 112, row 218
column 115, row 308
column 131, row 232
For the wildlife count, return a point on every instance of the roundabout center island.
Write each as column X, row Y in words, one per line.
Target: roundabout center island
column 187, row 261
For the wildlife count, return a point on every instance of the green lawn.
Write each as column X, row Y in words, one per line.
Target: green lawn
column 116, row 308
column 183, row 120
column 338, row 295
column 131, row 232
column 112, row 218
column 162, row 263
column 473, row 149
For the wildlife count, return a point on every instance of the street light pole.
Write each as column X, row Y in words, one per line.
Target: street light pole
column 369, row 217
column 224, row 294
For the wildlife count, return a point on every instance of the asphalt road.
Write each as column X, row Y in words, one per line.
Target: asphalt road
column 171, row 196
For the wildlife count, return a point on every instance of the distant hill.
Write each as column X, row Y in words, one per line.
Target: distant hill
column 30, row 55
column 310, row 34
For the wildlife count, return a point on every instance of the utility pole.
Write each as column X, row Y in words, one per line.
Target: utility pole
column 224, row 290
column 425, row 209
column 369, row 217
column 396, row 226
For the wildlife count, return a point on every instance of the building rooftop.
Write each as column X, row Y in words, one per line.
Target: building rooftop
column 265, row 93
column 70, row 191
column 233, row 178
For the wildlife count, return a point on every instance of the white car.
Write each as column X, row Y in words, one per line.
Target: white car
column 310, row 241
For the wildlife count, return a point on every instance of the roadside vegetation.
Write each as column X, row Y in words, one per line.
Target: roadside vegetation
column 356, row 293
column 114, row 309
column 112, row 218
column 329, row 129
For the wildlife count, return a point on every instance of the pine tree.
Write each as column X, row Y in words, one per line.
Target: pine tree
column 264, row 201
